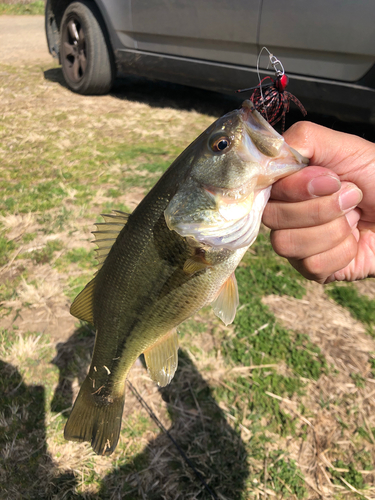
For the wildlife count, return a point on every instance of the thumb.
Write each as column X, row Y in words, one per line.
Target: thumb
column 324, row 147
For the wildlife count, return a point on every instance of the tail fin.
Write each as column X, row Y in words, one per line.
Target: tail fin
column 95, row 418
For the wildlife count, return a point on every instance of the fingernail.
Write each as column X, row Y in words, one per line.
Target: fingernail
column 323, row 185
column 350, row 198
column 352, row 217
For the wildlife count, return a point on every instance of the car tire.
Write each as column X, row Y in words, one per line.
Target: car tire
column 85, row 55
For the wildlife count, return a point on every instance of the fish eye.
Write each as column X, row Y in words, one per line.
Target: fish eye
column 220, row 144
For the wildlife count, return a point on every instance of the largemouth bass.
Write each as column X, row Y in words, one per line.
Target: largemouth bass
column 173, row 255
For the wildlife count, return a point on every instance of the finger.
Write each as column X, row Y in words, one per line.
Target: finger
column 314, row 212
column 303, row 243
column 324, row 146
column 321, row 266
column 308, row 183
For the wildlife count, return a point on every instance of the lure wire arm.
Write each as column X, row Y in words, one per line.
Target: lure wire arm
column 275, row 100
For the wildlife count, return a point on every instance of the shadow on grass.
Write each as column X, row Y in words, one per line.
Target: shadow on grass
column 26, row 468
column 161, row 94
column 72, row 359
column 198, row 425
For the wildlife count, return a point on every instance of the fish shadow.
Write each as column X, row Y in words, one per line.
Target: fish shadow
column 201, row 432
column 198, row 426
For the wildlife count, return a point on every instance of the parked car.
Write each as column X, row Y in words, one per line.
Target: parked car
column 326, row 46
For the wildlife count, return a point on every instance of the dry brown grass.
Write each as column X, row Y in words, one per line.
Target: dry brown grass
column 334, row 399
column 45, row 353
column 14, row 2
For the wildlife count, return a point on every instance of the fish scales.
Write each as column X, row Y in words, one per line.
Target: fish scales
column 176, row 253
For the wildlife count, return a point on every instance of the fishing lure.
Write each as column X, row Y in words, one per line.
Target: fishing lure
column 270, row 96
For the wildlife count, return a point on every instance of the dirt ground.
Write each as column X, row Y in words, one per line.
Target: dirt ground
column 23, row 40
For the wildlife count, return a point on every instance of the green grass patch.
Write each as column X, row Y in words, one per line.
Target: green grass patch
column 260, row 340
column 25, row 196
column 360, row 306
column 36, row 183
column 372, row 364
column 368, row 434
column 153, row 156
column 45, row 255
column 85, row 259
column 6, row 247
column 267, row 274
column 8, row 288
column 76, row 285
column 54, row 221
column 114, row 193
column 352, row 476
column 285, row 476
column 28, row 237
column 33, row 8
column 107, row 208
column 81, row 256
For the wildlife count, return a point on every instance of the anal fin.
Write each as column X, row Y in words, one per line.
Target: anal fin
column 162, row 358
column 227, row 300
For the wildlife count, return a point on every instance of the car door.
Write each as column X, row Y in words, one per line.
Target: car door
column 213, row 30
column 320, row 38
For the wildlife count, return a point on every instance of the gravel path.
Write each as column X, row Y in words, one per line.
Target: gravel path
column 23, row 39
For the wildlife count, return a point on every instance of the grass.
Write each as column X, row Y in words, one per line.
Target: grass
column 6, row 247
column 263, row 408
column 46, row 253
column 22, row 8
column 360, row 307
column 350, row 474
column 285, row 475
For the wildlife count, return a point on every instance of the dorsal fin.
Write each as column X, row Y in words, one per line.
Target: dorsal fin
column 82, row 307
column 107, row 233
column 162, row 358
column 227, row 300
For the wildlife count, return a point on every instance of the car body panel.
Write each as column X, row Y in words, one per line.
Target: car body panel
column 211, row 30
column 320, row 38
column 118, row 15
column 324, row 46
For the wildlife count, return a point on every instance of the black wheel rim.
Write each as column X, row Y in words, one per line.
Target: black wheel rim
column 74, row 57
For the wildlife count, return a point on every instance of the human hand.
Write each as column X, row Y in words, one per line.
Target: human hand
column 323, row 217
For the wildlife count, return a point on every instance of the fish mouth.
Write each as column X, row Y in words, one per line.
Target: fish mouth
column 255, row 122
column 231, row 195
column 237, row 228
column 260, row 138
column 233, row 204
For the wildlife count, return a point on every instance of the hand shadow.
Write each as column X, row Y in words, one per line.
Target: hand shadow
column 198, row 426
column 26, row 468
column 72, row 359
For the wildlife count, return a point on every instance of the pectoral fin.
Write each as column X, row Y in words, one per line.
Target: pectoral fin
column 225, row 304
column 162, row 359
column 195, row 264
